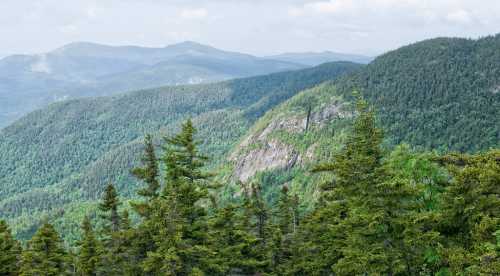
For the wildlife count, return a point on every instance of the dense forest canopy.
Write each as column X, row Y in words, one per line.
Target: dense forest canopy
column 79, row 146
column 439, row 95
column 383, row 213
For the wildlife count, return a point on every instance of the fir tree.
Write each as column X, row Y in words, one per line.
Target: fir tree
column 178, row 221
column 10, row 251
column 149, row 174
column 113, row 263
column 88, row 258
column 45, row 254
column 235, row 247
column 109, row 209
column 471, row 214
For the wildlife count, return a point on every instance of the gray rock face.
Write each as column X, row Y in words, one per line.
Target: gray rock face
column 258, row 152
column 271, row 155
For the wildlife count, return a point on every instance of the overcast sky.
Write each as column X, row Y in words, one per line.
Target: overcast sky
column 258, row 27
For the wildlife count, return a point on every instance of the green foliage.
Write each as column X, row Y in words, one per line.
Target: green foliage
column 382, row 213
column 77, row 147
column 45, row 254
column 88, row 257
column 437, row 94
column 10, row 250
column 178, row 222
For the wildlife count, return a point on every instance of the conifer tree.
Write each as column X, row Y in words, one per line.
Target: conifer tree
column 88, row 258
column 10, row 250
column 44, row 254
column 235, row 247
column 373, row 207
column 286, row 214
column 471, row 214
column 109, row 209
column 178, row 220
column 113, row 263
column 149, row 174
column 256, row 220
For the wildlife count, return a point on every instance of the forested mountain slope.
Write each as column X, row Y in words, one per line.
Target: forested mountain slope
column 440, row 94
column 68, row 151
column 85, row 69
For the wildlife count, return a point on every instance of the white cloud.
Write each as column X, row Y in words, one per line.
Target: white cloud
column 460, row 17
column 194, row 13
column 68, row 29
column 254, row 26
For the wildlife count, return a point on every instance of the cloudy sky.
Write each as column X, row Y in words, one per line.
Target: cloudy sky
column 258, row 27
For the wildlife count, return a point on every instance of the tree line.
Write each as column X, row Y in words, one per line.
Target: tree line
column 383, row 213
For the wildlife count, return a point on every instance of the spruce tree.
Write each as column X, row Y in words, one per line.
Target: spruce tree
column 235, row 247
column 112, row 261
column 10, row 250
column 471, row 214
column 109, row 209
column 44, row 254
column 285, row 214
column 88, row 258
column 178, row 220
column 148, row 174
column 372, row 207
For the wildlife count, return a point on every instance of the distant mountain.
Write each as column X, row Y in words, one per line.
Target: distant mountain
column 65, row 153
column 313, row 58
column 82, row 69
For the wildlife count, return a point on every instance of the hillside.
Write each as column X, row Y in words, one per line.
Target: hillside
column 68, row 151
column 28, row 82
column 439, row 94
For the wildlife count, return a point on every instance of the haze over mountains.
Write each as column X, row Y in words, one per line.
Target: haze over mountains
column 82, row 69
column 316, row 58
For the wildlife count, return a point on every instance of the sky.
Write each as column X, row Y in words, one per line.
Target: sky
column 259, row 27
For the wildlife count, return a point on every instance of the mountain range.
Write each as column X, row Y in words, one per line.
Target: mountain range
column 440, row 94
column 82, row 69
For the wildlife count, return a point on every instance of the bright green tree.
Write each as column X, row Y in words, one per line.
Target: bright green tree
column 471, row 214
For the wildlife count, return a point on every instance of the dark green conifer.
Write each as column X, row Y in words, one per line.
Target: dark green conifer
column 10, row 250
column 109, row 209
column 88, row 257
column 149, row 174
column 45, row 254
column 236, row 248
column 178, row 220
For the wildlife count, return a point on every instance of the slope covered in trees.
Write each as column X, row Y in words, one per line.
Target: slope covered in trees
column 434, row 95
column 382, row 213
column 68, row 152
column 441, row 93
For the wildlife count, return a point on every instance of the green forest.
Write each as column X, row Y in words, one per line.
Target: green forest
column 385, row 210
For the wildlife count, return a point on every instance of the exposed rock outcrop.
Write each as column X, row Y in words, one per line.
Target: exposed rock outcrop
column 261, row 152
